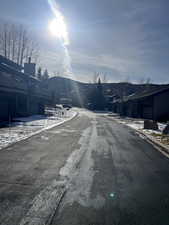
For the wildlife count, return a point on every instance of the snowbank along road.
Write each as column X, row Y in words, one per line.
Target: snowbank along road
column 88, row 171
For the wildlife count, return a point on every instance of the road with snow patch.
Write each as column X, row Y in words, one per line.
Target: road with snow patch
column 88, row 171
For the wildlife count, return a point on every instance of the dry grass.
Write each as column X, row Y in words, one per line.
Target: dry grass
column 164, row 139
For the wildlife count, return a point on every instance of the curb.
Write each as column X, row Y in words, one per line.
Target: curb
column 39, row 131
column 163, row 149
column 159, row 146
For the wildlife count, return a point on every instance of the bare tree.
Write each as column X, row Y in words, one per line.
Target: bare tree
column 3, row 40
column 33, row 50
column 144, row 80
column 95, row 78
column 8, row 43
column 148, row 80
column 17, row 44
column 13, row 42
column 104, row 78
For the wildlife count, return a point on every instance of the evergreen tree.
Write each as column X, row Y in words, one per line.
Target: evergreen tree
column 45, row 75
column 97, row 97
column 100, row 99
column 39, row 74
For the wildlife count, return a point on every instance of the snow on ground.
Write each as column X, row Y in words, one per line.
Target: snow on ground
column 138, row 124
column 25, row 127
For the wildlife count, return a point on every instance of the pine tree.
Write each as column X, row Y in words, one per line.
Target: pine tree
column 100, row 100
column 39, row 74
column 45, row 75
column 97, row 97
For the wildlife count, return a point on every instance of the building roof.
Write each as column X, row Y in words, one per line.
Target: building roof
column 10, row 63
column 10, row 67
column 145, row 94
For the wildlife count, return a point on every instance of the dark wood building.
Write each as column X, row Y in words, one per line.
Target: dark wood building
column 147, row 105
column 20, row 94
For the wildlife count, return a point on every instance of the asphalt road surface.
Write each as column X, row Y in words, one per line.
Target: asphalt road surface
column 88, row 171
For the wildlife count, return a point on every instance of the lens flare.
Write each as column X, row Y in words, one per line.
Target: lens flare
column 58, row 25
column 58, row 28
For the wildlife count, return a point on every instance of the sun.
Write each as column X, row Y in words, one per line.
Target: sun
column 58, row 28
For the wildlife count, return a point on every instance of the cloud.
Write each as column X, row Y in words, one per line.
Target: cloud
column 124, row 38
column 103, row 60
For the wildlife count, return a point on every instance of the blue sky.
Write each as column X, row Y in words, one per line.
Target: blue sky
column 126, row 39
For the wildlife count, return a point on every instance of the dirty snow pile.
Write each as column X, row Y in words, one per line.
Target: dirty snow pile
column 25, row 127
column 138, row 124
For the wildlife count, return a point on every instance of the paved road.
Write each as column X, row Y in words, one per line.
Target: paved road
column 89, row 171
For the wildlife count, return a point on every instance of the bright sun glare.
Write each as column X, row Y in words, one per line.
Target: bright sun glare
column 58, row 28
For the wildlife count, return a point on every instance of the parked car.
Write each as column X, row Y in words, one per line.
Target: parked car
column 59, row 107
column 67, row 106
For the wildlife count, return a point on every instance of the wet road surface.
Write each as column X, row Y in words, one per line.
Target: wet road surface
column 89, row 171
